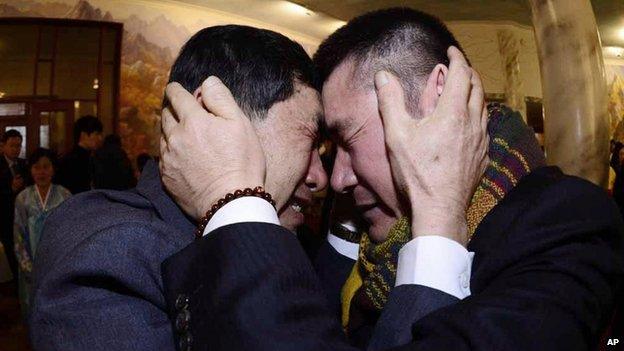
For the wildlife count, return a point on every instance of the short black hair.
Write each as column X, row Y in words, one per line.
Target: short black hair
column 404, row 41
column 40, row 153
column 88, row 124
column 112, row 140
column 259, row 66
column 11, row 133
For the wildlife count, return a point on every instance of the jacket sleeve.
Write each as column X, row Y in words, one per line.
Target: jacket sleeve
column 249, row 286
column 333, row 269
column 104, row 294
column 549, row 281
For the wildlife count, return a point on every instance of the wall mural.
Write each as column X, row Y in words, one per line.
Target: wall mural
column 615, row 83
column 154, row 32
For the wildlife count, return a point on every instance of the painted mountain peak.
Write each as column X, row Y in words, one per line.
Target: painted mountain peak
column 146, row 56
column 83, row 10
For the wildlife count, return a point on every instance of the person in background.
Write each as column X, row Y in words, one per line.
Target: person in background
column 32, row 206
column 112, row 168
column 74, row 171
column 12, row 175
column 140, row 163
column 617, row 156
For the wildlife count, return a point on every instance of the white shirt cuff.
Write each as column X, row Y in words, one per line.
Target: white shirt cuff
column 244, row 209
column 344, row 247
column 436, row 262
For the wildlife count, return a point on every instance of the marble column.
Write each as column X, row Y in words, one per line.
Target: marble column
column 509, row 48
column 576, row 123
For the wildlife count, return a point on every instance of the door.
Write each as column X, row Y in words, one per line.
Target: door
column 46, row 124
column 53, row 122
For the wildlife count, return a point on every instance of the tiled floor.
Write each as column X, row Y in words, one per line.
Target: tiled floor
column 13, row 334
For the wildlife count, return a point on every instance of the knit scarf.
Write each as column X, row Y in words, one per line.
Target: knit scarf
column 514, row 153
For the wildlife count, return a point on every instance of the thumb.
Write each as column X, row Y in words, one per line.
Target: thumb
column 218, row 99
column 390, row 101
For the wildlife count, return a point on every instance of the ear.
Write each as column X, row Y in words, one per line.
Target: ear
column 433, row 89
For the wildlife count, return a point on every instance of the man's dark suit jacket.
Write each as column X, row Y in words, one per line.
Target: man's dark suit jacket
column 97, row 275
column 74, row 172
column 7, row 206
column 548, row 266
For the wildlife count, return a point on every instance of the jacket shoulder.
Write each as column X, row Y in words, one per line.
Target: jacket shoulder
column 94, row 216
column 548, row 206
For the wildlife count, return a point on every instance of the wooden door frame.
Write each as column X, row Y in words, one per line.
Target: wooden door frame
column 31, row 119
column 66, row 106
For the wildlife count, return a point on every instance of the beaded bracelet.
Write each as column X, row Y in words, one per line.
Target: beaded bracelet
column 257, row 192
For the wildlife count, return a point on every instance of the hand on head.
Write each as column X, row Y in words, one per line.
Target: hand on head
column 437, row 161
column 209, row 150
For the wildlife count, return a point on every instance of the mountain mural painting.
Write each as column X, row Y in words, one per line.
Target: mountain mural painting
column 150, row 43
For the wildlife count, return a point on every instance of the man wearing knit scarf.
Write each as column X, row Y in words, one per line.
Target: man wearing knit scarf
column 513, row 153
column 508, row 222
column 460, row 252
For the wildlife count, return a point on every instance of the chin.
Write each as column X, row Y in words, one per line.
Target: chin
column 379, row 227
column 291, row 219
column 378, row 232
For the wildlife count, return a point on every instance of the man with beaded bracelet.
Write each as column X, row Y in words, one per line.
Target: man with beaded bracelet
column 97, row 277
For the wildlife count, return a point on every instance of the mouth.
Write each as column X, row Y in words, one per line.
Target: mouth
column 299, row 203
column 292, row 215
column 296, row 207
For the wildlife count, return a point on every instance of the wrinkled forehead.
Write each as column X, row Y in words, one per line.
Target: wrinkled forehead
column 347, row 93
column 303, row 108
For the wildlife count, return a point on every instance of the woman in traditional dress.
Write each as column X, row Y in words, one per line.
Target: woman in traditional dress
column 32, row 206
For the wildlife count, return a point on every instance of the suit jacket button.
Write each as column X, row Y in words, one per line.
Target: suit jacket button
column 185, row 342
column 181, row 302
column 182, row 321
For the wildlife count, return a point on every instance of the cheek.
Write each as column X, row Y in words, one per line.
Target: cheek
column 372, row 167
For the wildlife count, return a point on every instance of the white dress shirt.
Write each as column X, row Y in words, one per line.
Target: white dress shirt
column 431, row 261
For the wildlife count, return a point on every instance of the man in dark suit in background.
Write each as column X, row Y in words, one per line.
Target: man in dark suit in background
column 75, row 167
column 548, row 252
column 12, row 181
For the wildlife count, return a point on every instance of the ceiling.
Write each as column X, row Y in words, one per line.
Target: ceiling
column 609, row 13
column 281, row 13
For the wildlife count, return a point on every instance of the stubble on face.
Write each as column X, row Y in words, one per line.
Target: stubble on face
column 351, row 113
column 288, row 135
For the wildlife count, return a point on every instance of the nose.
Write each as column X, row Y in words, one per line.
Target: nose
column 343, row 178
column 316, row 179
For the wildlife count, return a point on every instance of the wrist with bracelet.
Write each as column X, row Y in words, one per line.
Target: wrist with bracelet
column 229, row 197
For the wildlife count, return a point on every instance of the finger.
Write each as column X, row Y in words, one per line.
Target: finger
column 457, row 87
column 163, row 147
column 183, row 103
column 218, row 99
column 167, row 122
column 390, row 101
column 485, row 119
column 476, row 101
